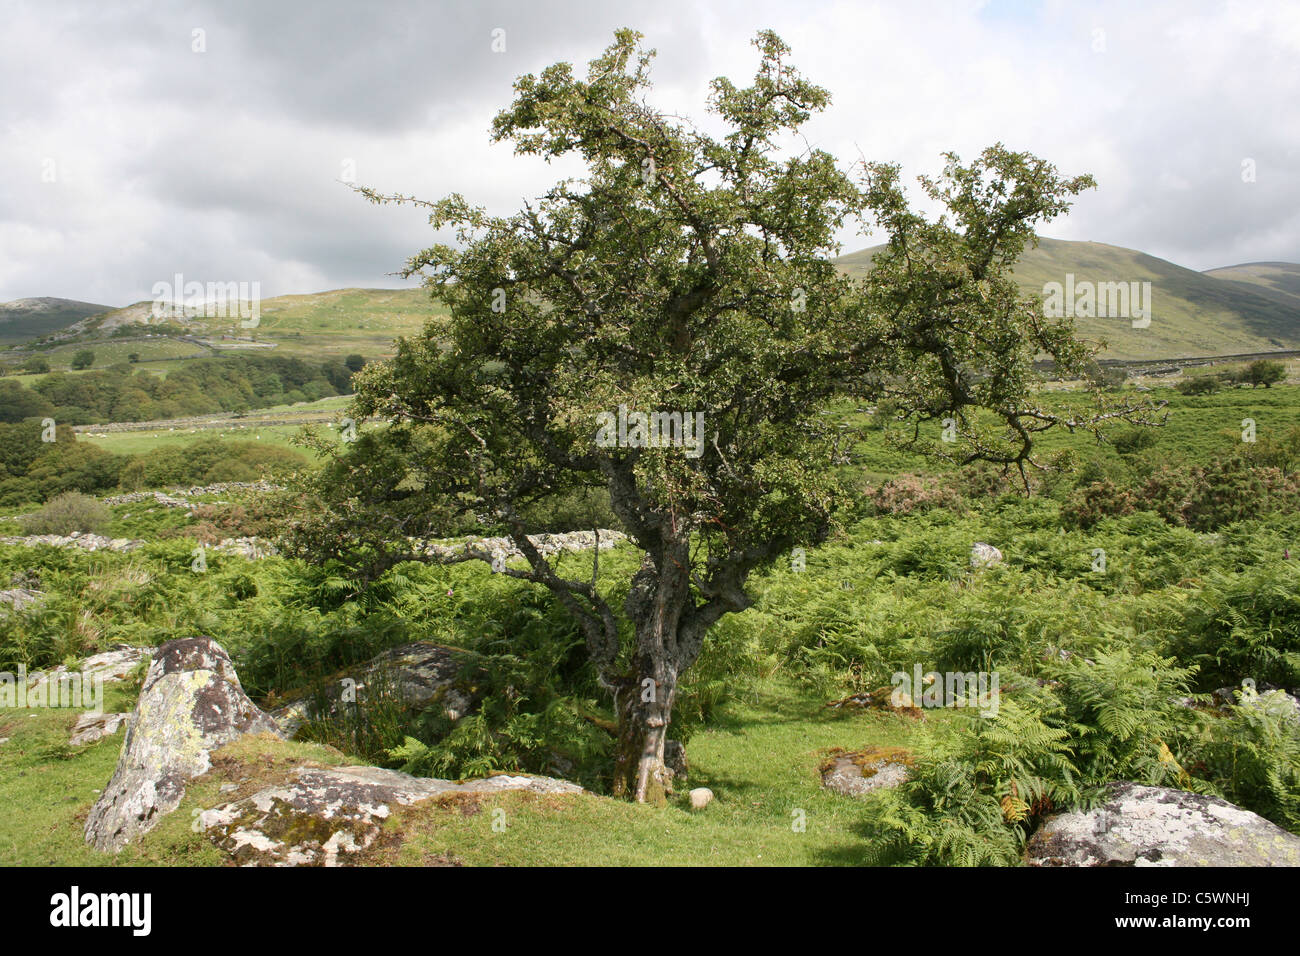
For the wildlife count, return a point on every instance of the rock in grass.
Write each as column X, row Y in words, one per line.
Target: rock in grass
column 420, row 675
column 1156, row 826
column 116, row 664
column 858, row 773
column 191, row 703
column 92, row 727
column 700, row 798
column 327, row 814
column 984, row 555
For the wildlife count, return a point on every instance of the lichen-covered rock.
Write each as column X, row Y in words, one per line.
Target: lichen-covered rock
column 329, row 813
column 93, row 727
column 190, row 704
column 420, row 674
column 861, row 772
column 1155, row 826
column 984, row 555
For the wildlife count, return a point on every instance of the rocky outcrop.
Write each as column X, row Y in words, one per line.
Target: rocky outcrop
column 86, row 542
column 191, row 703
column 116, row 664
column 328, row 814
column 984, row 555
column 864, row 771
column 421, row 674
column 502, row 549
column 19, row 598
column 1155, row 826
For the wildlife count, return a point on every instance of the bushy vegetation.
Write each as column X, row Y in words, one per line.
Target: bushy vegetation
column 66, row 513
column 122, row 393
column 33, row 469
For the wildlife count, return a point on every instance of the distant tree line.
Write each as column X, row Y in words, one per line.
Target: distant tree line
column 121, row 393
column 33, row 469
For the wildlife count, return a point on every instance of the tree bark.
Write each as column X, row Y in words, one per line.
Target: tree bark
column 644, row 697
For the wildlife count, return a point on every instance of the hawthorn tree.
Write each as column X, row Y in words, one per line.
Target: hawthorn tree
column 690, row 274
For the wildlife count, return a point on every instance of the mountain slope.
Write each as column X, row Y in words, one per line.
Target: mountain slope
column 318, row 324
column 1280, row 281
column 1193, row 313
column 25, row 319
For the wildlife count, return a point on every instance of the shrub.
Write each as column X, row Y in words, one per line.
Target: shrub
column 1264, row 372
column 1101, row 499
column 915, row 493
column 69, row 512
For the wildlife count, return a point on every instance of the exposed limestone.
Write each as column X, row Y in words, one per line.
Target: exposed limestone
column 326, row 815
column 190, row 704
column 1155, row 826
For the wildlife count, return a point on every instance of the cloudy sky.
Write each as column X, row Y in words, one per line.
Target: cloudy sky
column 208, row 138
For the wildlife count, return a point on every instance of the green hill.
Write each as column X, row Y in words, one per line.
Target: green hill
column 318, row 325
column 1279, row 281
column 25, row 319
column 1193, row 313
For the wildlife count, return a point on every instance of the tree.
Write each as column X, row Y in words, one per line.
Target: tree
column 690, row 279
column 1264, row 372
column 83, row 358
column 36, row 365
column 355, row 362
column 18, row 402
column 133, row 357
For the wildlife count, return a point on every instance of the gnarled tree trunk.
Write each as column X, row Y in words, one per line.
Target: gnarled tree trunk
column 644, row 697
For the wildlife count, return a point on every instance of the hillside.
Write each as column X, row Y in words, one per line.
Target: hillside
column 1193, row 313
column 25, row 319
column 1279, row 281
column 317, row 325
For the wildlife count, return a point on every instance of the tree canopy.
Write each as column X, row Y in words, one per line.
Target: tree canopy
column 685, row 287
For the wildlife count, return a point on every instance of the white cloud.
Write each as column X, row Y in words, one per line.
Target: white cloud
column 224, row 165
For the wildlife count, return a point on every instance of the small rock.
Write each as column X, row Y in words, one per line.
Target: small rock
column 700, row 798
column 984, row 555
column 92, row 727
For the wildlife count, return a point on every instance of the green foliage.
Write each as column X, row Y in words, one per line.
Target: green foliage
column 1244, row 625
column 83, row 359
column 1253, row 756
column 69, row 512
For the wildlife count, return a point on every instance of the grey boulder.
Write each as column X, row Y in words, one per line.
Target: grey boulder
column 328, row 814
column 191, row 703
column 1156, row 826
